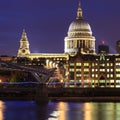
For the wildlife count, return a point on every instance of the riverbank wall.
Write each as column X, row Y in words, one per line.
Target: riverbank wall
column 85, row 94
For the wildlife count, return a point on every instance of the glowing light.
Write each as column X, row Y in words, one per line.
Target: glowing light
column 103, row 42
column 63, row 115
column 2, row 107
column 61, row 81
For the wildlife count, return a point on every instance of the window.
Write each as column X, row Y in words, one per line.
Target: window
column 78, row 70
column 96, row 75
column 102, row 70
column 93, row 75
column 86, row 64
column 96, row 70
column 117, row 64
column 71, row 70
column 117, row 59
column 117, row 75
column 111, row 64
column 71, row 64
column 86, row 70
column 108, row 75
column 78, row 64
column 111, row 70
column 118, row 70
column 111, row 75
column 78, row 75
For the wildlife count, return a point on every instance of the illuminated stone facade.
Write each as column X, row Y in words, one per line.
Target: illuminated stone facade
column 24, row 50
column 79, row 37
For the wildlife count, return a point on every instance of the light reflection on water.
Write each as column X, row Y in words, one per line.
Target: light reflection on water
column 26, row 110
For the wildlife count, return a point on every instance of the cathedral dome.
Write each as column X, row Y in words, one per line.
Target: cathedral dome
column 80, row 38
column 79, row 25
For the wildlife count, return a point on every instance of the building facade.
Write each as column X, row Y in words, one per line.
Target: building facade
column 103, row 49
column 84, row 68
column 79, row 37
column 100, row 70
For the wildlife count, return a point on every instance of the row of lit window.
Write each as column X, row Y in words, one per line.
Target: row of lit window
column 109, row 64
column 79, row 70
column 117, row 70
column 95, row 75
column 117, row 64
column 71, row 70
column 93, row 64
column 117, row 75
column 96, row 81
column 79, row 64
column 78, row 75
column 58, row 59
column 108, row 81
column 92, row 81
column 103, row 64
column 94, row 70
column 108, row 70
column 102, row 70
column 109, row 75
column 117, row 81
column 117, row 59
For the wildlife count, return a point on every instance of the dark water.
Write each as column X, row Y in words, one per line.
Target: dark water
column 24, row 110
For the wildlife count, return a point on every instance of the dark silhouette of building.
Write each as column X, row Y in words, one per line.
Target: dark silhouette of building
column 118, row 46
column 103, row 49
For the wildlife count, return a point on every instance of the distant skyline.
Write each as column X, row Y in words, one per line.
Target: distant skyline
column 46, row 23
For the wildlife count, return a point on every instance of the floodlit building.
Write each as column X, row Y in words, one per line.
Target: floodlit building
column 84, row 68
column 24, row 50
column 79, row 37
column 100, row 70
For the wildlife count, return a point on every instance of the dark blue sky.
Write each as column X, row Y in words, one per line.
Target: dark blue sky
column 46, row 23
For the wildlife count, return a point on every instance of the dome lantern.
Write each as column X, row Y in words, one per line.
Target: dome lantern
column 79, row 12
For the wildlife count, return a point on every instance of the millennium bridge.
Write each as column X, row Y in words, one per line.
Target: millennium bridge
column 32, row 87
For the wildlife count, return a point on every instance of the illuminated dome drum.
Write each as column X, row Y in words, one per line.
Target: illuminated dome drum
column 79, row 37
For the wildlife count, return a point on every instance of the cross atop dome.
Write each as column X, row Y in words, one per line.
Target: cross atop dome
column 79, row 12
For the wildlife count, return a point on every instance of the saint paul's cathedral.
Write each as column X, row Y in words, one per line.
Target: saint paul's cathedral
column 83, row 66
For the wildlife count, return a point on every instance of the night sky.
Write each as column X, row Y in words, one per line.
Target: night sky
column 46, row 23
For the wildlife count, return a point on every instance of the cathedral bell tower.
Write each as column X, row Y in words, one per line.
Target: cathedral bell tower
column 24, row 50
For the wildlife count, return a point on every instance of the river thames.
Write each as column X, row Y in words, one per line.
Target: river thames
column 28, row 110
